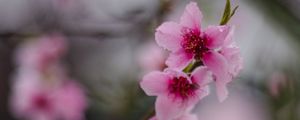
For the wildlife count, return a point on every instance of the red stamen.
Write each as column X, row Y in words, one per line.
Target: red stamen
column 181, row 87
column 194, row 43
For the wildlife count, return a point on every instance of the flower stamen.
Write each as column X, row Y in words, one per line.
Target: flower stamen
column 181, row 87
column 194, row 43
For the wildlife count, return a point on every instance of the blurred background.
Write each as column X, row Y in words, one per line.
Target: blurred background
column 111, row 46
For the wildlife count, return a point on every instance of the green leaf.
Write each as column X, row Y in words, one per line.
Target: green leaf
column 227, row 13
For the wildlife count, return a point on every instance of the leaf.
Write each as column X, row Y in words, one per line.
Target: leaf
column 226, row 14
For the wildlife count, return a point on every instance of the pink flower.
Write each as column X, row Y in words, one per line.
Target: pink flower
column 277, row 82
column 232, row 54
column 151, row 57
column 35, row 99
column 30, row 99
column 188, row 42
column 42, row 51
column 41, row 88
column 186, row 116
column 70, row 101
column 176, row 92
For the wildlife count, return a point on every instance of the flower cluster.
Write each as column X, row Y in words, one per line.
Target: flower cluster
column 41, row 88
column 197, row 57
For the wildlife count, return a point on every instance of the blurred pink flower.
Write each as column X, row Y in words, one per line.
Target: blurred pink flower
column 151, row 57
column 40, row 52
column 187, row 41
column 176, row 92
column 277, row 82
column 32, row 99
column 29, row 98
column 242, row 105
column 41, row 89
column 70, row 101
column 186, row 116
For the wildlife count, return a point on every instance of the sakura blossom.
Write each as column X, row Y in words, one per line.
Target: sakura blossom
column 41, row 53
column 187, row 42
column 70, row 101
column 176, row 92
column 231, row 52
column 74, row 60
column 32, row 99
column 41, row 88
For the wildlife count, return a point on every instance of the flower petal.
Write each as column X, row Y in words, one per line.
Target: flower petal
column 216, row 36
column 192, row 101
column 154, row 83
column 201, row 75
column 192, row 16
column 168, row 35
column 167, row 108
column 178, row 60
column 222, row 91
column 202, row 92
column 176, row 73
column 188, row 116
column 70, row 101
column 232, row 54
column 218, row 65
column 229, row 39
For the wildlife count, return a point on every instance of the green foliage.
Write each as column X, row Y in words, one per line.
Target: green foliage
column 228, row 13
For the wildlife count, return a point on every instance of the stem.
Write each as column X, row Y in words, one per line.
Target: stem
column 192, row 66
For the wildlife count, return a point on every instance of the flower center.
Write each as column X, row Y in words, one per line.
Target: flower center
column 41, row 102
column 194, row 43
column 182, row 88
